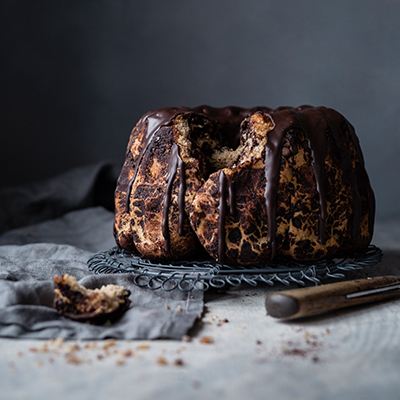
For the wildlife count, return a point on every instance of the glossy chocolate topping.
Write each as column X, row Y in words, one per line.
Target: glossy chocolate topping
column 227, row 120
column 222, row 213
column 154, row 120
column 172, row 167
column 315, row 122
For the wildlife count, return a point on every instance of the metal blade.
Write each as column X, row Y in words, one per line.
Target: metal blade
column 370, row 292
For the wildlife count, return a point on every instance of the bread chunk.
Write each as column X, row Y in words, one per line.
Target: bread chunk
column 76, row 302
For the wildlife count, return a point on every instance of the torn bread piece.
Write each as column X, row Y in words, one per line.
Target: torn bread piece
column 95, row 306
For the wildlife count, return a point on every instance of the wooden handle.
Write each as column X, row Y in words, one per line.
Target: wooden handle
column 290, row 304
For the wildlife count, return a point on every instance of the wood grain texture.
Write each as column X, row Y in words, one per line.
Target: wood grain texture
column 303, row 302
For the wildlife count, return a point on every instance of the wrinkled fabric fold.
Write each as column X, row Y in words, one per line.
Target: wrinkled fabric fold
column 59, row 237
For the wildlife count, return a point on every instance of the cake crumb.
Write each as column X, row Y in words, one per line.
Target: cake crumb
column 162, row 361
column 90, row 345
column 56, row 342
column 180, row 349
column 128, row 353
column 72, row 358
column 207, row 340
column 294, row 352
column 143, row 346
column 109, row 343
column 308, row 335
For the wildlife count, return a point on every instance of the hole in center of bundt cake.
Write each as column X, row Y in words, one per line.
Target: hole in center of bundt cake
column 200, row 141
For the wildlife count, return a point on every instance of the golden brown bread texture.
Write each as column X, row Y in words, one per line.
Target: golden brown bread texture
column 141, row 228
column 295, row 185
column 95, row 306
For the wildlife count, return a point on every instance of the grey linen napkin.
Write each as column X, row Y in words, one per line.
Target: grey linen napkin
column 60, row 238
column 26, row 309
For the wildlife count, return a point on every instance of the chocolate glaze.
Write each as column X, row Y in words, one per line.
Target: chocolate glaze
column 222, row 183
column 181, row 196
column 227, row 119
column 273, row 149
column 232, row 197
column 222, row 214
column 347, row 167
column 174, row 162
column 335, row 122
column 167, row 198
column 314, row 122
column 286, row 119
column 315, row 125
column 155, row 120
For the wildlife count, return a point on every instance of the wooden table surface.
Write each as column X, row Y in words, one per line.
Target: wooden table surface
column 235, row 351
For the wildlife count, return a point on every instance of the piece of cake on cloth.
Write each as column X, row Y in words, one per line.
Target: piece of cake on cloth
column 95, row 306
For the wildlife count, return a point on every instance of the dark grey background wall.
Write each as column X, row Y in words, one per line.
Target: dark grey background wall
column 77, row 75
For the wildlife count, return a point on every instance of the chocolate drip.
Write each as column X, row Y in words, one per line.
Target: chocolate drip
column 315, row 123
column 337, row 125
column 315, row 128
column 232, row 197
column 155, row 121
column 174, row 162
column 222, row 214
column 172, row 167
column 288, row 119
column 181, row 196
column 222, row 183
column 371, row 195
column 273, row 150
column 228, row 120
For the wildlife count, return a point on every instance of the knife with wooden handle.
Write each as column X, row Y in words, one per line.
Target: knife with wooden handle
column 296, row 303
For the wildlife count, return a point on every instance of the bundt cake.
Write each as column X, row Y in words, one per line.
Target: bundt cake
column 243, row 184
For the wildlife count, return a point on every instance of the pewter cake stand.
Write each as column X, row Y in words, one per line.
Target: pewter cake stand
column 203, row 274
